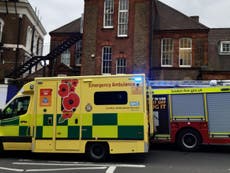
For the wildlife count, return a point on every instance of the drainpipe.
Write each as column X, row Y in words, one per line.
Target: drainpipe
column 18, row 43
column 151, row 23
column 32, row 41
column 6, row 4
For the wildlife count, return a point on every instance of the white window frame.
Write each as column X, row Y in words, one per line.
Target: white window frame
column 1, row 28
column 123, row 18
column 167, row 52
column 29, row 38
column 65, row 57
column 35, row 43
column 222, row 48
column 187, row 48
column 121, row 66
column 108, row 14
column 106, row 67
column 40, row 47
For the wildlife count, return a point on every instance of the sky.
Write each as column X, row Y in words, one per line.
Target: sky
column 56, row 13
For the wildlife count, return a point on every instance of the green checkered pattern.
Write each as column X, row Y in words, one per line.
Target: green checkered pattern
column 94, row 126
column 15, row 128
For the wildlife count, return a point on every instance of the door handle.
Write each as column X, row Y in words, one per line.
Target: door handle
column 23, row 122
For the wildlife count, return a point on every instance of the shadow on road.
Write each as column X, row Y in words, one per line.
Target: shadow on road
column 203, row 148
column 121, row 158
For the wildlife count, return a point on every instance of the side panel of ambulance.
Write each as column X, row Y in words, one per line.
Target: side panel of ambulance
column 96, row 115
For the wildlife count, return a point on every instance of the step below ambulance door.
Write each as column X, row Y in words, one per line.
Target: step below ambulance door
column 45, row 101
column 67, row 132
column 161, row 114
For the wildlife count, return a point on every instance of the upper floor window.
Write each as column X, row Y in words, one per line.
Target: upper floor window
column 40, row 47
column 108, row 13
column 121, row 66
column 35, row 43
column 185, row 52
column 225, row 47
column 1, row 28
column 65, row 57
column 29, row 38
column 78, row 52
column 167, row 51
column 123, row 16
column 106, row 60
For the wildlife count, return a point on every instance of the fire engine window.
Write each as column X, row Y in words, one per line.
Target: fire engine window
column 111, row 98
column 188, row 105
column 17, row 107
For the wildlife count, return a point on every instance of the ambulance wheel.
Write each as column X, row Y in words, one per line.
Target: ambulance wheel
column 189, row 140
column 97, row 151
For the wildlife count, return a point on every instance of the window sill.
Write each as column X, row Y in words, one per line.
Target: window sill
column 185, row 66
column 167, row 66
column 224, row 53
column 107, row 28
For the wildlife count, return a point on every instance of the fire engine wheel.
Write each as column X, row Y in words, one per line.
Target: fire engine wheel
column 97, row 151
column 189, row 140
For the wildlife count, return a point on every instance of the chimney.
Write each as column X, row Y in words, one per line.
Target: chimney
column 195, row 18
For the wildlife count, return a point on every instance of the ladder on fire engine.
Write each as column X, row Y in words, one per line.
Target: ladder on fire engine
column 28, row 65
column 187, row 83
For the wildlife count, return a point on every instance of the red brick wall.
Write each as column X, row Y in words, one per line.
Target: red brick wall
column 134, row 47
column 89, row 37
column 10, row 36
column 199, row 55
column 57, row 39
column 216, row 60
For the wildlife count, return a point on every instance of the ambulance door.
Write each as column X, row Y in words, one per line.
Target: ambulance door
column 15, row 122
column 68, row 122
column 45, row 103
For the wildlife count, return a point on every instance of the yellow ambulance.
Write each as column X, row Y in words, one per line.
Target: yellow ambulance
column 96, row 115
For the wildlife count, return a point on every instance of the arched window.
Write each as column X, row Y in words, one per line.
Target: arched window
column 108, row 13
column 29, row 38
column 185, row 52
column 106, row 60
column 167, row 52
column 1, row 28
column 123, row 18
column 121, row 66
column 40, row 47
column 35, row 43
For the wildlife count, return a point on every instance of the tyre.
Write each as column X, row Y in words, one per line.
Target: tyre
column 189, row 140
column 97, row 151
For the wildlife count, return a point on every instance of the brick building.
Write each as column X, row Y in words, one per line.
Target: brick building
column 147, row 36
column 116, row 37
column 219, row 54
column 142, row 36
column 21, row 35
column 180, row 45
column 69, row 61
